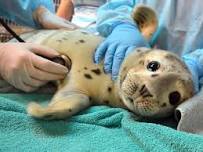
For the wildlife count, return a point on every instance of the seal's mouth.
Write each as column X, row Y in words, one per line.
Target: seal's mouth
column 138, row 98
column 146, row 107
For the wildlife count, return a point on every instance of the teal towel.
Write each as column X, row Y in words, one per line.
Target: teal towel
column 97, row 129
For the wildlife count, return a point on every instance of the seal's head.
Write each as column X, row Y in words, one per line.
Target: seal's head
column 153, row 82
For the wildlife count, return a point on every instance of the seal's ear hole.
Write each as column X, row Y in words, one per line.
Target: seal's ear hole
column 174, row 97
column 153, row 66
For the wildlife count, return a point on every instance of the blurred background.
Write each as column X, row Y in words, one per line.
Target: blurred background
column 5, row 35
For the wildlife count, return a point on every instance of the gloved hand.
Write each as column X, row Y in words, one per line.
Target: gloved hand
column 49, row 20
column 192, row 65
column 5, row 86
column 24, row 69
column 123, row 39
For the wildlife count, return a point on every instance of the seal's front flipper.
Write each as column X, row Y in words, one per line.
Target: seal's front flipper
column 63, row 105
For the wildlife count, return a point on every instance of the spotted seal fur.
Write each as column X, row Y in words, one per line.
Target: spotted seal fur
column 151, row 82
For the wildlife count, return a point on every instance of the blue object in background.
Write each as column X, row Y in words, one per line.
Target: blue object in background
column 194, row 62
column 21, row 11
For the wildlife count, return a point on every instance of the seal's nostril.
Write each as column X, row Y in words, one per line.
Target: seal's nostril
column 174, row 97
column 130, row 99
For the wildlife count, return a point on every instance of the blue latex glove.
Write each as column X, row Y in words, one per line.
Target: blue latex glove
column 123, row 39
column 192, row 65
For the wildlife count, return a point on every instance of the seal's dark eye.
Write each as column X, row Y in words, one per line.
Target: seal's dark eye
column 153, row 66
column 174, row 97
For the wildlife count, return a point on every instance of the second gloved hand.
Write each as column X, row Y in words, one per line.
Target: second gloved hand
column 194, row 62
column 22, row 67
column 123, row 39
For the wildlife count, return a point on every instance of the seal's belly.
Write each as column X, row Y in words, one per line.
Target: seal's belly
column 75, row 44
column 79, row 46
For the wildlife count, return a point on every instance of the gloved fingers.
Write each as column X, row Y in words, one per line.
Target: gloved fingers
column 108, row 60
column 43, row 50
column 7, row 89
column 5, row 86
column 48, row 66
column 27, row 76
column 18, row 83
column 35, row 83
column 45, row 76
column 27, row 88
column 129, row 50
column 4, row 83
column 100, row 52
column 117, row 60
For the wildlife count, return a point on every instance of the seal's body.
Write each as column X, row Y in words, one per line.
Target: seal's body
column 151, row 82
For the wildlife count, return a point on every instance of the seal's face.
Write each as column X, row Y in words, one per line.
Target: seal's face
column 154, row 82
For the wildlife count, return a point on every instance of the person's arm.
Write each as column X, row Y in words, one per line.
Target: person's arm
column 66, row 9
column 194, row 62
column 49, row 20
column 34, row 13
column 21, row 11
